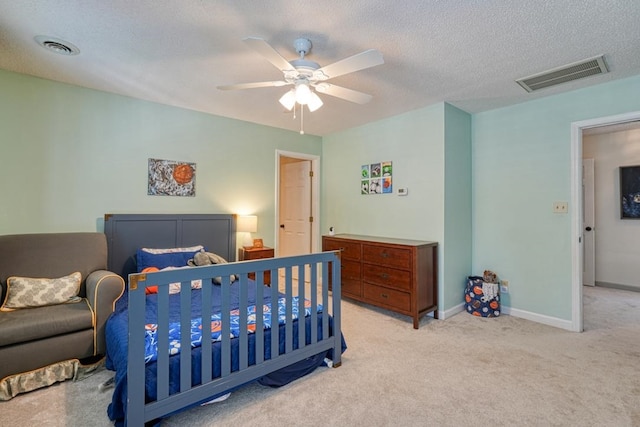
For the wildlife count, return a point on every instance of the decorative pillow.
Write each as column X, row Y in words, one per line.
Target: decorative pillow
column 162, row 258
column 28, row 292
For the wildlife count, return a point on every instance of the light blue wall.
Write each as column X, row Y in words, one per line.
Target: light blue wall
column 521, row 165
column 69, row 155
column 419, row 143
column 413, row 142
column 457, row 205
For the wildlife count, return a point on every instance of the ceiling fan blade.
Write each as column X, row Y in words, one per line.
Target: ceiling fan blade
column 276, row 83
column 360, row 61
column 271, row 55
column 343, row 93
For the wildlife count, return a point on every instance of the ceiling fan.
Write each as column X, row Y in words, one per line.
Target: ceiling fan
column 307, row 75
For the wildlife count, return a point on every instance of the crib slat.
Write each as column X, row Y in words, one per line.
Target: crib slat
column 243, row 339
column 162, row 387
column 206, row 346
column 336, row 311
column 302, row 324
column 325, row 298
column 288, row 337
column 225, row 352
column 275, row 331
column 185, row 336
column 314, row 303
column 259, row 341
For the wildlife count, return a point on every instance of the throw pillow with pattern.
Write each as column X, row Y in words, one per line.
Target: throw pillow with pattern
column 28, row 292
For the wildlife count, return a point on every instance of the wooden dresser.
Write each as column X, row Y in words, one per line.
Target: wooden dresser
column 396, row 274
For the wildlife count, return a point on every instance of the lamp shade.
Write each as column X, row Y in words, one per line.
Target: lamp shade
column 303, row 93
column 247, row 223
column 288, row 100
column 314, row 102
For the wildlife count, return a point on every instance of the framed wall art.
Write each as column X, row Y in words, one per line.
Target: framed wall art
column 376, row 178
column 171, row 178
column 630, row 192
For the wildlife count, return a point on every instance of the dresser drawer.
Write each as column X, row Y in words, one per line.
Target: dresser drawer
column 388, row 256
column 386, row 297
column 350, row 270
column 350, row 250
column 352, row 288
column 399, row 279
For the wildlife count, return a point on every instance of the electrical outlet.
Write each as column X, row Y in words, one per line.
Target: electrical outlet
column 560, row 207
column 504, row 286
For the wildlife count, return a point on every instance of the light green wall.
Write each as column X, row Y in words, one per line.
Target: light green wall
column 417, row 143
column 413, row 142
column 521, row 165
column 457, row 204
column 70, row 155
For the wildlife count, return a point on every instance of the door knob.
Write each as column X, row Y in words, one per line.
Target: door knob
column 588, row 229
column 281, row 225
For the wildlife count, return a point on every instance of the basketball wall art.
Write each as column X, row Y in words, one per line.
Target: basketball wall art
column 171, row 178
column 376, row 178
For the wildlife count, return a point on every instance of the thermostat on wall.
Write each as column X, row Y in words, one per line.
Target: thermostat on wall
column 403, row 191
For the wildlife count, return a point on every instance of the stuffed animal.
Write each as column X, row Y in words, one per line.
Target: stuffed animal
column 208, row 258
column 489, row 277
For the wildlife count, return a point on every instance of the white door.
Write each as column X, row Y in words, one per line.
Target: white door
column 588, row 224
column 295, row 207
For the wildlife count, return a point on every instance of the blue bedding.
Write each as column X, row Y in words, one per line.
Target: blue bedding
column 117, row 349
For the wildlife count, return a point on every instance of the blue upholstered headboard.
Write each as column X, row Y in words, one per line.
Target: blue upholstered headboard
column 126, row 233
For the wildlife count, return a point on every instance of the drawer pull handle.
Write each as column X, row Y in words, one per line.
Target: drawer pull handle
column 385, row 255
column 384, row 275
column 384, row 295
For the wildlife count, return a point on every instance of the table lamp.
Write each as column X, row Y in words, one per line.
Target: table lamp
column 247, row 224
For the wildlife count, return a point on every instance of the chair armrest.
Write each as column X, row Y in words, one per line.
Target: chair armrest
column 103, row 290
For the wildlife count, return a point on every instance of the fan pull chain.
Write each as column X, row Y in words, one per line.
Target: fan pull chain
column 302, row 120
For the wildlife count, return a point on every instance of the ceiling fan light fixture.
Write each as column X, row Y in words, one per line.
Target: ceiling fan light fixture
column 314, row 102
column 288, row 100
column 303, row 93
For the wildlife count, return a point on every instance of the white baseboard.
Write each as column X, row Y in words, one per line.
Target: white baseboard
column 444, row 314
column 539, row 318
column 505, row 310
column 618, row 286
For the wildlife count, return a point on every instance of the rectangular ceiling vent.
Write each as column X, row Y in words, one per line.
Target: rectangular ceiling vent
column 567, row 73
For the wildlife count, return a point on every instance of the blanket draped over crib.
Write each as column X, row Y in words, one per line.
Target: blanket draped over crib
column 151, row 342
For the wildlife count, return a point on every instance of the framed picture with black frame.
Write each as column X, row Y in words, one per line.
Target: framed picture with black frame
column 630, row 192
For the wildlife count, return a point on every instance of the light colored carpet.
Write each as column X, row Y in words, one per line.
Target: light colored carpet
column 463, row 371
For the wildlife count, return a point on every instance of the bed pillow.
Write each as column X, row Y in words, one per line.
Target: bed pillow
column 162, row 258
column 29, row 292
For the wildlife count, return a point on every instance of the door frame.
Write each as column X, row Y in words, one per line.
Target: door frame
column 577, row 321
column 315, row 196
column 588, row 206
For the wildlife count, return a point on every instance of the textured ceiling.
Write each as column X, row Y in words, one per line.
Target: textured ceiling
column 464, row 52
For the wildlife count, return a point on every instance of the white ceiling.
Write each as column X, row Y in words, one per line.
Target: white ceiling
column 464, row 52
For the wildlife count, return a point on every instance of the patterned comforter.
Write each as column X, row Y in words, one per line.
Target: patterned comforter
column 151, row 329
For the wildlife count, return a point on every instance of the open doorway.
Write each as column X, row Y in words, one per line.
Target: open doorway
column 297, row 203
column 577, row 220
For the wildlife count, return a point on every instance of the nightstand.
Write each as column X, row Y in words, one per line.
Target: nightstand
column 257, row 253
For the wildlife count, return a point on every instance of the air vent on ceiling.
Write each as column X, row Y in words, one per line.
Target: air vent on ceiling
column 567, row 73
column 57, row 45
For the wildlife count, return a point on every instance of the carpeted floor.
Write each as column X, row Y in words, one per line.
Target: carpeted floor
column 504, row 371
